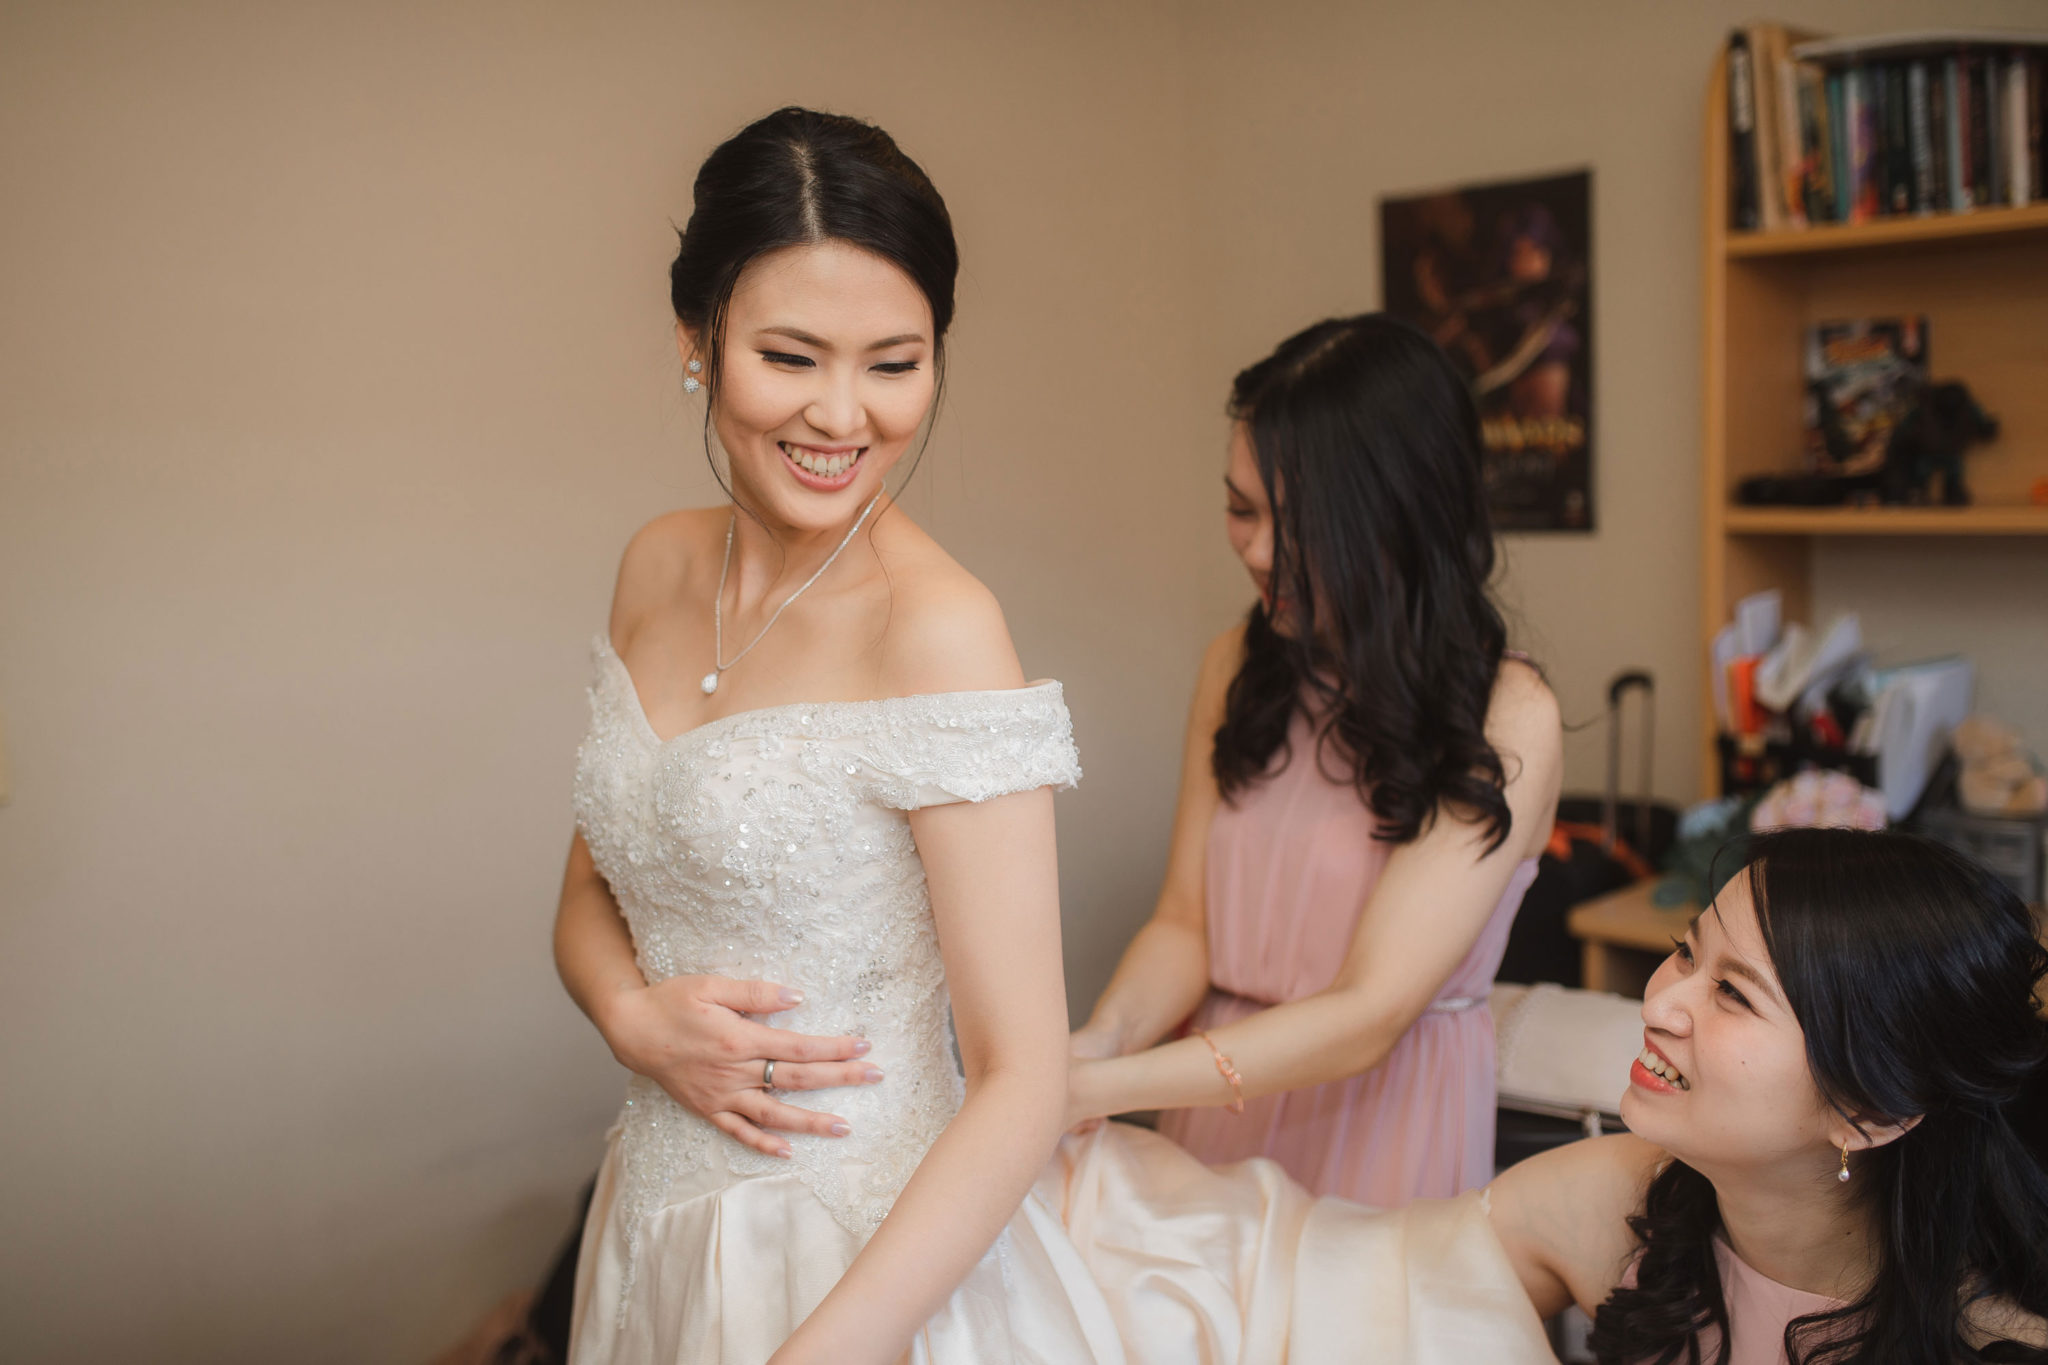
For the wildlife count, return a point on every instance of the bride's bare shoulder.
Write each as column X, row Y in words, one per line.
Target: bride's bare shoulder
column 660, row 560
column 944, row 631
column 674, row 539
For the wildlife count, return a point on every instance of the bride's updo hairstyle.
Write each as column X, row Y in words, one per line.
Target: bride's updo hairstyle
column 1367, row 442
column 1912, row 972
column 799, row 176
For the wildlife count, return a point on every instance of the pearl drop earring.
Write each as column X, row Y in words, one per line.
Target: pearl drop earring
column 1844, row 1174
column 690, row 382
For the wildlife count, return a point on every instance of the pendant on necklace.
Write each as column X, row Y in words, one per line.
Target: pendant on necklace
column 710, row 683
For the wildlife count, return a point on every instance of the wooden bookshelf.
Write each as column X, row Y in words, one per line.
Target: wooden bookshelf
column 1981, row 280
column 1930, row 227
column 1887, row 521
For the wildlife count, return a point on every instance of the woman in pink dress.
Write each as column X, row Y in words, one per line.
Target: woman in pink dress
column 1822, row 1165
column 1368, row 779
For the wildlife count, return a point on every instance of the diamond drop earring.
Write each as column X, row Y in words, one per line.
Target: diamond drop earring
column 690, row 381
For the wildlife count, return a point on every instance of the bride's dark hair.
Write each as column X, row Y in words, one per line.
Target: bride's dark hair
column 1913, row 973
column 799, row 176
column 1367, row 443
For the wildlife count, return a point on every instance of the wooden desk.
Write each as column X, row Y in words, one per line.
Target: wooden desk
column 1623, row 937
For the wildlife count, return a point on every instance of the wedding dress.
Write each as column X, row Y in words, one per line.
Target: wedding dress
column 776, row 844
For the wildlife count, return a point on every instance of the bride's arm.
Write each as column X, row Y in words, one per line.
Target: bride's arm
column 992, row 870
column 1428, row 907
column 1165, row 972
column 995, row 898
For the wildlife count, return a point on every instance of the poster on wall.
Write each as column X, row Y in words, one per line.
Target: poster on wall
column 1501, row 276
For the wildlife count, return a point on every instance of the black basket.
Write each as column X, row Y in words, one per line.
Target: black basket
column 1749, row 768
column 2010, row 849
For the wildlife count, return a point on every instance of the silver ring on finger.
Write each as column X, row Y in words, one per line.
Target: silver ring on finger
column 768, row 1074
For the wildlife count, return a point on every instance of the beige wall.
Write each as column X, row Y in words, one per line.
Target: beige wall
column 336, row 373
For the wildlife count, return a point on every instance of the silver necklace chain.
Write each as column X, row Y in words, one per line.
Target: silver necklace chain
column 710, row 682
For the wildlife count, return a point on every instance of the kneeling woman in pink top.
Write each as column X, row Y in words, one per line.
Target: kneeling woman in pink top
column 1368, row 779
column 1822, row 1164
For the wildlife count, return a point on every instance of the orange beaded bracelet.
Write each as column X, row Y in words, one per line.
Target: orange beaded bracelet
column 1229, row 1072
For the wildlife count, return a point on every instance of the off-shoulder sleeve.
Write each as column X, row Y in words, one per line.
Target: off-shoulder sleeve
column 969, row 746
column 604, row 760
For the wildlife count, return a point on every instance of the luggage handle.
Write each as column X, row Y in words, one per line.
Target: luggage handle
column 1610, row 801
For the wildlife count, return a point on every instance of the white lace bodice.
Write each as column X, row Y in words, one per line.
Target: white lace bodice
column 775, row 844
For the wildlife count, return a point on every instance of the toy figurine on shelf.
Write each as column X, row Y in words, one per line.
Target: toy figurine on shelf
column 1942, row 423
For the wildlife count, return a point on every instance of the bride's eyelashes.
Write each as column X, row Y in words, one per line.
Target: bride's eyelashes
column 804, row 362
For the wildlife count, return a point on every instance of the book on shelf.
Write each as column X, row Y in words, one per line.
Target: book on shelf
column 1979, row 151
column 1838, row 148
column 1937, row 135
column 1816, row 161
column 1997, row 179
column 2022, row 80
column 1793, row 168
column 1956, row 115
column 1863, row 200
column 1922, row 118
column 2033, row 105
column 1772, row 215
column 1847, row 130
column 1897, row 144
column 1742, row 196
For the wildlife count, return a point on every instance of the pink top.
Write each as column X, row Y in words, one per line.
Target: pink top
column 1289, row 868
column 1759, row 1310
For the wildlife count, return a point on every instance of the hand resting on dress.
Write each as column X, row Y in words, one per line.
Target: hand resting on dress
column 691, row 1036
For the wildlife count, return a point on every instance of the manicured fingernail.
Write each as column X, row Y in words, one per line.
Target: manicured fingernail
column 862, row 1048
column 871, row 1075
column 782, row 1152
column 791, row 996
column 840, row 1129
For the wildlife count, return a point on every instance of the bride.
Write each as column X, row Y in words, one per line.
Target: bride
column 813, row 758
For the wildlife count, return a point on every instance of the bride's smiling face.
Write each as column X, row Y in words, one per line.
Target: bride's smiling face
column 826, row 376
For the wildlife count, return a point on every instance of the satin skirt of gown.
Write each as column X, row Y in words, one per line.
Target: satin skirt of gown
column 1128, row 1251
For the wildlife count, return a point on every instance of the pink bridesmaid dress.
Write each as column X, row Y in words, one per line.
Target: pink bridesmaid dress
column 1759, row 1311
column 1290, row 865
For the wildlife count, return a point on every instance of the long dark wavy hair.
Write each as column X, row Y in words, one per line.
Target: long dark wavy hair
column 1913, row 972
column 800, row 176
column 1367, row 442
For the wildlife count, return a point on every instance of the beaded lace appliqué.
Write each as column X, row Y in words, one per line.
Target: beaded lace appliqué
column 776, row 844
